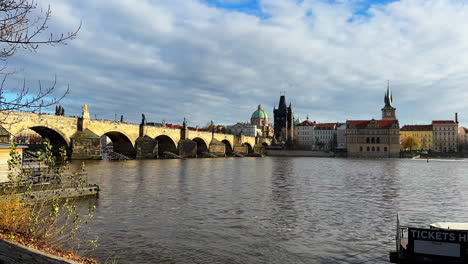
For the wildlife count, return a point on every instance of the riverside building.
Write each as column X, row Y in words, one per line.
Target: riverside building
column 305, row 135
column 375, row 138
column 447, row 134
column 422, row 132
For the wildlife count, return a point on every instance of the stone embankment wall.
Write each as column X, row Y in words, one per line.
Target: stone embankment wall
column 13, row 253
column 299, row 153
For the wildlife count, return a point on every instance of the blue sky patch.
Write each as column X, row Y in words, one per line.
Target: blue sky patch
column 251, row 7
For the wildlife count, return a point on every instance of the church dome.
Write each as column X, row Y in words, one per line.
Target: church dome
column 259, row 113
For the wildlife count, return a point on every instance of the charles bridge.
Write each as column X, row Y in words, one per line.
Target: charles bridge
column 81, row 136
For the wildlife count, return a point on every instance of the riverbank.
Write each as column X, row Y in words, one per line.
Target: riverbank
column 298, row 153
column 23, row 251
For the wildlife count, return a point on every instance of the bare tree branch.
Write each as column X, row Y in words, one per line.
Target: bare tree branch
column 22, row 26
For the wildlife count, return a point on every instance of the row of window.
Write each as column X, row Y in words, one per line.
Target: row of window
column 373, row 140
column 444, row 128
column 373, row 149
column 448, row 133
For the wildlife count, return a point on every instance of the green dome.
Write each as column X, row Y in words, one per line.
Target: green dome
column 259, row 113
column 297, row 121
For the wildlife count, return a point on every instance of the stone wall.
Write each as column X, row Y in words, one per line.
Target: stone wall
column 146, row 148
column 11, row 252
column 187, row 148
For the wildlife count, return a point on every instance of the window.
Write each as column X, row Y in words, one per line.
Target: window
column 373, row 140
column 378, row 141
column 378, row 149
column 368, row 149
column 385, row 149
column 367, row 140
column 373, row 148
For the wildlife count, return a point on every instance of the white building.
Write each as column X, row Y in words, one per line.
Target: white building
column 244, row 129
column 341, row 136
column 325, row 136
column 304, row 134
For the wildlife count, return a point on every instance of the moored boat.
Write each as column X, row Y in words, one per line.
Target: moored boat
column 442, row 242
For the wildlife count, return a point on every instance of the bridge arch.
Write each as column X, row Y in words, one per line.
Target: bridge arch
column 202, row 146
column 265, row 144
column 166, row 143
column 121, row 143
column 56, row 137
column 249, row 147
column 228, row 145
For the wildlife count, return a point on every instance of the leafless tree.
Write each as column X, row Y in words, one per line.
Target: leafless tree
column 23, row 26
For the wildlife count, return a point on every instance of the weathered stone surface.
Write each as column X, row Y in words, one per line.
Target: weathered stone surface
column 218, row 148
column 146, row 148
column 241, row 149
column 259, row 148
column 187, row 148
column 13, row 253
column 86, row 145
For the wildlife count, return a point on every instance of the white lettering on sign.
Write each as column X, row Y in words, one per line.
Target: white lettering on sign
column 439, row 235
column 462, row 237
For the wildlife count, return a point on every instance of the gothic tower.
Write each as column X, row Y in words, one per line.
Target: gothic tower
column 283, row 126
column 388, row 111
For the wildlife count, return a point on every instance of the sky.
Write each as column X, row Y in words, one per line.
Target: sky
column 219, row 59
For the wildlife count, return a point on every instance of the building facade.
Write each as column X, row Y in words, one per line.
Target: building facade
column 445, row 134
column 305, row 134
column 245, row 129
column 341, row 136
column 325, row 136
column 283, row 126
column 375, row 138
column 422, row 132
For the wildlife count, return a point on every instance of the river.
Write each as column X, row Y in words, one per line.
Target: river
column 268, row 210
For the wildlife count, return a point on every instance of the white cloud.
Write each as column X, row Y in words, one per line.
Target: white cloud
column 176, row 58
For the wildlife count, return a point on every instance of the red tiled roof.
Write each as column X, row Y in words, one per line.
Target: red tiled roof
column 307, row 123
column 466, row 129
column 416, row 128
column 363, row 123
column 443, row 122
column 325, row 126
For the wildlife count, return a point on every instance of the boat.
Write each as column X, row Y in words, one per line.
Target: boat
column 442, row 242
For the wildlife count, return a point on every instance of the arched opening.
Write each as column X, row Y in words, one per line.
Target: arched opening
column 250, row 149
column 119, row 143
column 201, row 146
column 165, row 143
column 228, row 147
column 56, row 139
column 264, row 144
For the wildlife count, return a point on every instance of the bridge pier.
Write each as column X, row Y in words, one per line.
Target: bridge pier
column 241, row 149
column 217, row 148
column 146, row 147
column 187, row 148
column 85, row 145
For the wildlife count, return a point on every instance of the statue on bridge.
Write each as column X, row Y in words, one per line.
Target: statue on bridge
column 143, row 119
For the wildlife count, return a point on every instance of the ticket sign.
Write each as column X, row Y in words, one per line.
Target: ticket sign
column 447, row 243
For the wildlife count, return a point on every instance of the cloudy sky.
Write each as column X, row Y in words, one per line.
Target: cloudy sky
column 219, row 59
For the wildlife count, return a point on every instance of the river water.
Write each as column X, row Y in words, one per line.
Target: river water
column 268, row 210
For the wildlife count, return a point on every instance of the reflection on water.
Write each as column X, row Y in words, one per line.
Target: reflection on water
column 268, row 210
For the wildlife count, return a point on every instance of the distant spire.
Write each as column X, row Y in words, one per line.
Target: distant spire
column 388, row 99
column 307, row 117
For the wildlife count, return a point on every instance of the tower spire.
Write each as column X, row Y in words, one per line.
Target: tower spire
column 388, row 99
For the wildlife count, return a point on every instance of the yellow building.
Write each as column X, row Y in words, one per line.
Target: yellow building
column 4, row 157
column 375, row 138
column 422, row 132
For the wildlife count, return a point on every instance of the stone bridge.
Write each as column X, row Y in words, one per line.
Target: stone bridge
column 81, row 136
